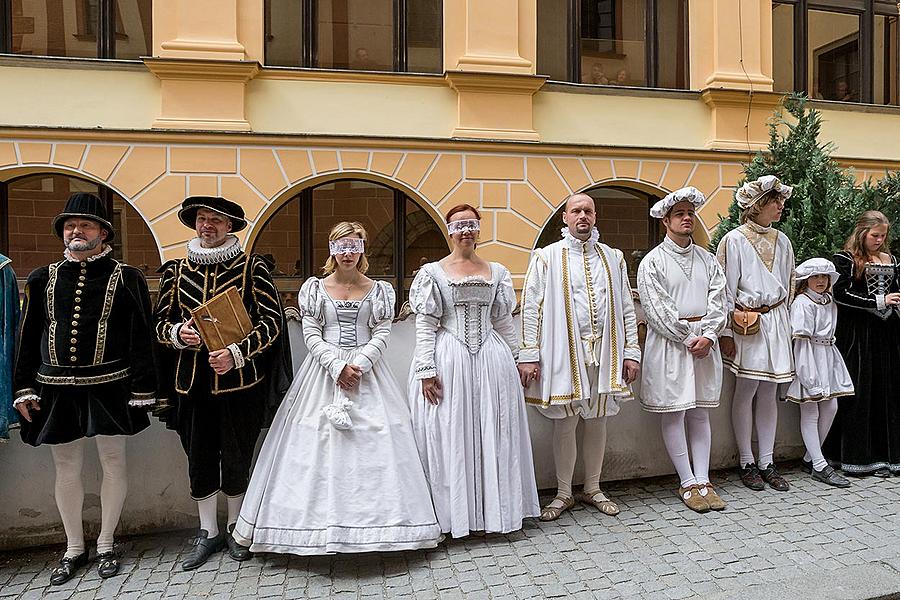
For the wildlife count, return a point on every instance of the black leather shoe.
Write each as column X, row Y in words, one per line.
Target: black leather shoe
column 830, row 476
column 235, row 550
column 67, row 568
column 107, row 565
column 771, row 476
column 806, row 466
column 751, row 478
column 204, row 547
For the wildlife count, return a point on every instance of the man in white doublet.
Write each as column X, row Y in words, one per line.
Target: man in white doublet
column 682, row 290
column 758, row 261
column 579, row 352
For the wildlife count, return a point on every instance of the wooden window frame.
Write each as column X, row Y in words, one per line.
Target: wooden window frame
column 651, row 42
column 105, row 28
column 865, row 11
column 309, row 34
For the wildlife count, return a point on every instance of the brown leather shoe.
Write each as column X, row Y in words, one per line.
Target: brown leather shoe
column 692, row 498
column 771, row 476
column 712, row 498
column 751, row 478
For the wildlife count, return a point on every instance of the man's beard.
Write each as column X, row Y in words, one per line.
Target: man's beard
column 78, row 245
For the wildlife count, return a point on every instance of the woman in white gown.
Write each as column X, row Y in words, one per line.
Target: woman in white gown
column 468, row 406
column 339, row 470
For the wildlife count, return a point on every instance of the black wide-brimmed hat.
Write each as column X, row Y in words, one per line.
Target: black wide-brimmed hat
column 84, row 206
column 191, row 204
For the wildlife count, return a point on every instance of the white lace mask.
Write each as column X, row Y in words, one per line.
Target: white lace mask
column 346, row 245
column 464, row 226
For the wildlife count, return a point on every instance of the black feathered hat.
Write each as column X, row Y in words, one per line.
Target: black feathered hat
column 232, row 210
column 85, row 206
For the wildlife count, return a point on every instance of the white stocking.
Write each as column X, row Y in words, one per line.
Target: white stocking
column 675, row 439
column 114, row 488
column 68, row 460
column 700, row 436
column 208, row 508
column 766, row 420
column 565, row 451
column 593, row 448
column 815, row 421
column 742, row 417
column 234, row 509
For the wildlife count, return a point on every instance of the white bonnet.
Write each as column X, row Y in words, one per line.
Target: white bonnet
column 816, row 266
column 750, row 193
column 686, row 194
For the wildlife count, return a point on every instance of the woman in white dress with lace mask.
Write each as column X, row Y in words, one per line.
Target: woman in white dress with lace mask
column 339, row 470
column 467, row 402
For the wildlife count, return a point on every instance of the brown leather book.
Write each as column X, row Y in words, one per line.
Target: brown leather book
column 222, row 320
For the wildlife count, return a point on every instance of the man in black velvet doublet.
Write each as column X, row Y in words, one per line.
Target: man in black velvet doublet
column 221, row 399
column 85, row 369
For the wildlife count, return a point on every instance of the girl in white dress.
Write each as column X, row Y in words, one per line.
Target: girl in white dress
column 758, row 261
column 339, row 470
column 468, row 406
column 822, row 375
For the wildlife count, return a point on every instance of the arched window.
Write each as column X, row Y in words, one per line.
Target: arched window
column 402, row 236
column 28, row 205
column 623, row 220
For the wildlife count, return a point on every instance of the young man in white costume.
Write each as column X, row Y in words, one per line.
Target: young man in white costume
column 758, row 261
column 579, row 350
column 682, row 290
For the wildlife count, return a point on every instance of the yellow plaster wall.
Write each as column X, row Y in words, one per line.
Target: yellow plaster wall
column 351, row 108
column 48, row 97
column 678, row 121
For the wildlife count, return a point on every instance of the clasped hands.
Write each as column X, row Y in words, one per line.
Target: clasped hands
column 531, row 371
column 221, row 361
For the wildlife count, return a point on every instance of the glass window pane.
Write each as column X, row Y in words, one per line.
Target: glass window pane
column 65, row 28
column 834, row 56
column 425, row 241
column 552, row 39
column 423, row 36
column 355, row 34
column 370, row 204
column 612, row 42
column 134, row 28
column 885, row 77
column 671, row 27
column 279, row 240
column 284, row 33
column 783, row 47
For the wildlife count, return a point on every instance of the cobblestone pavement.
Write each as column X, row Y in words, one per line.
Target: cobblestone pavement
column 814, row 541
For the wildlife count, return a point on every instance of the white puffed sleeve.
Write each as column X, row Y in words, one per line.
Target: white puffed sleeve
column 383, row 300
column 533, row 308
column 712, row 325
column 803, row 322
column 729, row 259
column 632, row 349
column 502, row 308
column 425, row 301
column 312, row 308
column 659, row 306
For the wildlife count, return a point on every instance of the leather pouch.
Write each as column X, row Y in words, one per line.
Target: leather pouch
column 744, row 322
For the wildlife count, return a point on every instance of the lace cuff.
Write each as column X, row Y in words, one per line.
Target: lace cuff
column 239, row 360
column 426, row 371
column 173, row 337
column 142, row 399
column 529, row 355
column 25, row 395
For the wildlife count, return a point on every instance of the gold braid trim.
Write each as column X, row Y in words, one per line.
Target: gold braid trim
column 84, row 380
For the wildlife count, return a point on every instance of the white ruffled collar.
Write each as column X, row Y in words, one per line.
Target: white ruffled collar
column 229, row 249
column 817, row 297
column 670, row 244
column 106, row 250
column 577, row 244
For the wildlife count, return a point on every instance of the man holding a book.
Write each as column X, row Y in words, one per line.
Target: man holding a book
column 220, row 318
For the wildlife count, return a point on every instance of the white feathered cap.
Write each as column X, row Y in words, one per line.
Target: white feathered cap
column 816, row 266
column 687, row 194
column 750, row 193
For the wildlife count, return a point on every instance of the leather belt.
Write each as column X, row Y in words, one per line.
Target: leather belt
column 693, row 319
column 761, row 309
